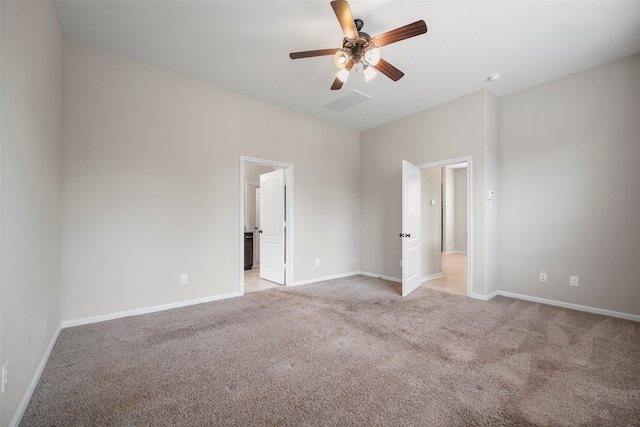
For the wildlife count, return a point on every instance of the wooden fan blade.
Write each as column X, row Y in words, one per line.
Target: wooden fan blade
column 310, row 53
column 337, row 83
column 408, row 31
column 345, row 18
column 388, row 70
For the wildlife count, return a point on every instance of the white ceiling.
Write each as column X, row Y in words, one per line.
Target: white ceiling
column 243, row 46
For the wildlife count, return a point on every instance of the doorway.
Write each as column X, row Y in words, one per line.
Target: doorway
column 447, row 223
column 249, row 222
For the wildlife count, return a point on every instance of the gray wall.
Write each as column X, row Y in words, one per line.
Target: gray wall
column 569, row 201
column 252, row 171
column 460, row 213
column 492, row 176
column 455, row 210
column 449, row 220
column 31, row 192
column 454, row 129
column 431, row 218
column 152, row 163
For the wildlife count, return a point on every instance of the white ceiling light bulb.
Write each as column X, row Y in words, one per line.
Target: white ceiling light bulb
column 369, row 73
column 343, row 75
column 372, row 56
column 341, row 58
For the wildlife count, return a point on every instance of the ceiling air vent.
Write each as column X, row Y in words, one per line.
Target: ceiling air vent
column 351, row 99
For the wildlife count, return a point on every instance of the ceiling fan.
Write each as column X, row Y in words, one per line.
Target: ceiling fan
column 359, row 47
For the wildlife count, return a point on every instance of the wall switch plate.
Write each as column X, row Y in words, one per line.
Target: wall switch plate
column 317, row 262
column 574, row 281
column 433, row 202
column 184, row 279
column 5, row 375
column 543, row 277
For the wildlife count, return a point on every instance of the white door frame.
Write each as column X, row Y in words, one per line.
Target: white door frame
column 288, row 176
column 256, row 234
column 453, row 161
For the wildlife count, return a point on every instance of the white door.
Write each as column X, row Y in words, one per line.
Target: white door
column 272, row 226
column 410, row 228
column 256, row 234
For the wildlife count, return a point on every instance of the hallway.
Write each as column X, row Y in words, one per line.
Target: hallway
column 253, row 282
column 454, row 279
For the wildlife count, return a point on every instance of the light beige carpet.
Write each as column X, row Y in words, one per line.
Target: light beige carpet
column 345, row 352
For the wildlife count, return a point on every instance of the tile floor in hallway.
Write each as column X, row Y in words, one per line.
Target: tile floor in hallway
column 454, row 275
column 253, row 282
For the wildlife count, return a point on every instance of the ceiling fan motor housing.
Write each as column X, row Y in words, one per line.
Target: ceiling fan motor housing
column 357, row 47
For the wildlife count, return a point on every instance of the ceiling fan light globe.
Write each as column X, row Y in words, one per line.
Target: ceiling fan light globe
column 369, row 73
column 372, row 56
column 343, row 75
column 341, row 58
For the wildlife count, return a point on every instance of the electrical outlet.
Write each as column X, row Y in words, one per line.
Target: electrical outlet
column 543, row 277
column 317, row 262
column 184, row 279
column 574, row 281
column 5, row 375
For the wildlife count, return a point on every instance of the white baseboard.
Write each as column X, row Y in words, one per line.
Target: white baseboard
column 146, row 310
column 484, row 297
column 322, row 279
column 431, row 277
column 15, row 422
column 380, row 276
column 572, row 306
column 492, row 295
column 455, row 252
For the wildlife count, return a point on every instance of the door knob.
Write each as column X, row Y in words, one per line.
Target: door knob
column 260, row 231
column 401, row 234
column 408, row 235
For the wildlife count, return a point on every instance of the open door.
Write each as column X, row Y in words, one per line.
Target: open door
column 256, row 235
column 272, row 226
column 410, row 228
